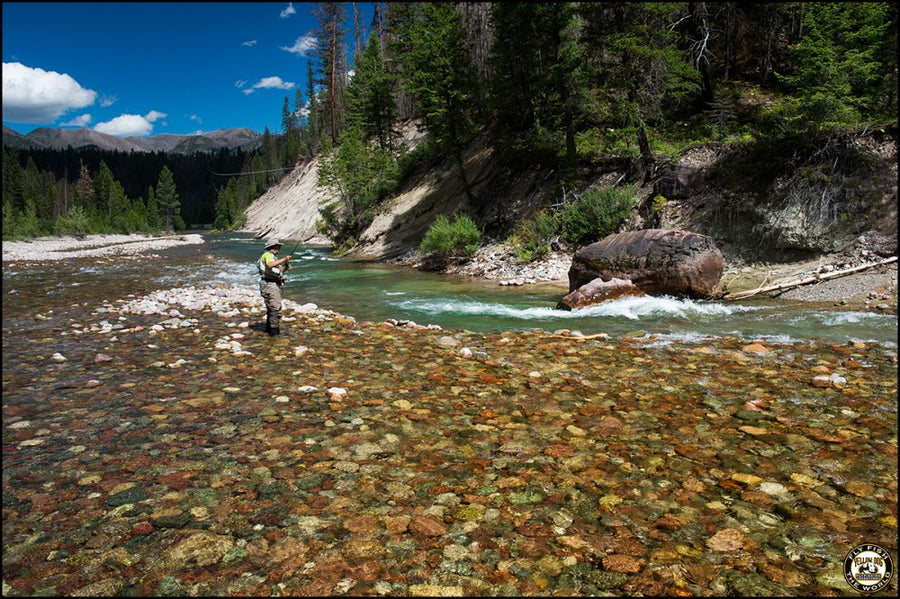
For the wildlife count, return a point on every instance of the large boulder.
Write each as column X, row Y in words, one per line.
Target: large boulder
column 657, row 261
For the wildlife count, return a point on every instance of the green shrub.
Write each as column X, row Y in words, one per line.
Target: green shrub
column 19, row 224
column 589, row 143
column 445, row 239
column 531, row 238
column 596, row 214
column 75, row 222
column 658, row 204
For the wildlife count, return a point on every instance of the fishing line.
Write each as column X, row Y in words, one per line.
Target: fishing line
column 275, row 170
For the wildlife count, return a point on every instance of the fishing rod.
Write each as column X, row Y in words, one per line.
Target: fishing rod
column 287, row 266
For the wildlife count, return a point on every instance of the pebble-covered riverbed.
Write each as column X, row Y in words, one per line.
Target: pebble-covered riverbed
column 162, row 444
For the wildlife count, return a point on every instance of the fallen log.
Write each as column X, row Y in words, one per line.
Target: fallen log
column 583, row 337
column 805, row 281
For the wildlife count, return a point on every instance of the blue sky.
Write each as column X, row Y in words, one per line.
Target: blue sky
column 147, row 68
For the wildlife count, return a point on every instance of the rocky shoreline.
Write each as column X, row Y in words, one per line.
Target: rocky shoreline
column 43, row 249
column 874, row 289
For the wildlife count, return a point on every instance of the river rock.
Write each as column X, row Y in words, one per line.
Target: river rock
column 598, row 291
column 102, row 588
column 201, row 549
column 657, row 261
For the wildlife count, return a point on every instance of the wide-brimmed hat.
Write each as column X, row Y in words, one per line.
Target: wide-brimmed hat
column 272, row 243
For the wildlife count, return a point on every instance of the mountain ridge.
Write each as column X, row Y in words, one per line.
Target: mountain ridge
column 59, row 139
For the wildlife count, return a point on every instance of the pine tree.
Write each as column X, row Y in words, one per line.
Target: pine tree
column 539, row 92
column 399, row 21
column 298, row 110
column 84, row 187
column 154, row 215
column 168, row 202
column 331, row 53
column 839, row 62
column 290, row 136
column 313, row 118
column 10, row 220
column 226, row 206
column 138, row 215
column 642, row 73
column 103, row 189
column 39, row 189
column 441, row 78
column 479, row 34
column 358, row 33
column 371, row 102
column 13, row 181
column 121, row 216
column 515, row 56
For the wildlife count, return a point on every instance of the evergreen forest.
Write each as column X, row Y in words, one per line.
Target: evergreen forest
column 560, row 85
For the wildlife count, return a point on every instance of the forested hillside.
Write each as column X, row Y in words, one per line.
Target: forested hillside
column 561, row 93
column 42, row 186
column 573, row 90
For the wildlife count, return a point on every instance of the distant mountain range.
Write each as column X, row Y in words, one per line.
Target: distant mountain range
column 60, row 139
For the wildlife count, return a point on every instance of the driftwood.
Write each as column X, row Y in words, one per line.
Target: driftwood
column 805, row 281
column 582, row 337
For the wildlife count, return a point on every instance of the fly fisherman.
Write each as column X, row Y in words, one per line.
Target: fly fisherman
column 271, row 279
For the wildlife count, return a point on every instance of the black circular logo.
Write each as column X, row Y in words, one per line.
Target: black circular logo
column 868, row 568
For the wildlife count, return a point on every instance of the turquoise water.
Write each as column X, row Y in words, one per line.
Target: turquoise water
column 377, row 291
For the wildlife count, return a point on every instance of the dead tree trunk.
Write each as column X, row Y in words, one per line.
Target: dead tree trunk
column 805, row 281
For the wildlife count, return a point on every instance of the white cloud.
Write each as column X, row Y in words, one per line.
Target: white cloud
column 302, row 45
column 128, row 125
column 32, row 95
column 240, row 83
column 196, row 118
column 269, row 83
column 288, row 11
column 79, row 121
column 107, row 101
column 249, row 43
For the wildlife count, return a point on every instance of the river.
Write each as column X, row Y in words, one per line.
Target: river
column 377, row 291
column 144, row 456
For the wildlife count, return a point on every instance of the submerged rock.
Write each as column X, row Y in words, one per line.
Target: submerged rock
column 373, row 458
column 598, row 291
column 198, row 550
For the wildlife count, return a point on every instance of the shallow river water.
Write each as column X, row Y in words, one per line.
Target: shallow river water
column 376, row 291
column 695, row 449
